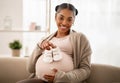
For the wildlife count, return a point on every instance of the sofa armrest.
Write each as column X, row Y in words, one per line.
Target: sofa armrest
column 104, row 74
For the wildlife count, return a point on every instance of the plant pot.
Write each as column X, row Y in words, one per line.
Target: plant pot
column 15, row 52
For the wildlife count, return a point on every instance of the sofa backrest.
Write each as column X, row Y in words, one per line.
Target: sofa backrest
column 12, row 69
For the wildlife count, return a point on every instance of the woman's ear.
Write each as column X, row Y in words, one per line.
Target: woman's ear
column 55, row 15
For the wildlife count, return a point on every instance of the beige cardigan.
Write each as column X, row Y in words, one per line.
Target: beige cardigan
column 81, row 59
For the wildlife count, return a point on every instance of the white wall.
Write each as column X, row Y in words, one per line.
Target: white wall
column 22, row 14
column 12, row 8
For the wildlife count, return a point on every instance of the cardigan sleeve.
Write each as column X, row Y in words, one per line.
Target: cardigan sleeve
column 82, row 71
column 33, row 58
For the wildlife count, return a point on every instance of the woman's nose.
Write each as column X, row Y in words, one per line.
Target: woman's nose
column 64, row 22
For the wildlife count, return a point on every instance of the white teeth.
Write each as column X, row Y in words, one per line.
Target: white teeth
column 63, row 27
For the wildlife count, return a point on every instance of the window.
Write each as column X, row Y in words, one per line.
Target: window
column 34, row 12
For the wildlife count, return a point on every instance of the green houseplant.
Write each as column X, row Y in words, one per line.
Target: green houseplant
column 16, row 45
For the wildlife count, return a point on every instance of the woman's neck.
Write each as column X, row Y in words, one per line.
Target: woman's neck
column 60, row 34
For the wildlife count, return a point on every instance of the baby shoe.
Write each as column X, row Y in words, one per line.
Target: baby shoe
column 47, row 56
column 56, row 54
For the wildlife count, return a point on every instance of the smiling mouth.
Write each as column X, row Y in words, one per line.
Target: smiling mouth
column 63, row 27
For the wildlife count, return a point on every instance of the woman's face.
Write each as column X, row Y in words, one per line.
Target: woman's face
column 64, row 20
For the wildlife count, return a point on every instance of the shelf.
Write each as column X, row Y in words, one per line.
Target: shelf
column 22, row 31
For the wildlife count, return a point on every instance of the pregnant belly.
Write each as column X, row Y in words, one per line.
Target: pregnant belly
column 65, row 64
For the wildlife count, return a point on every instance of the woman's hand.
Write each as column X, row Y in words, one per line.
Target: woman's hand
column 47, row 45
column 50, row 78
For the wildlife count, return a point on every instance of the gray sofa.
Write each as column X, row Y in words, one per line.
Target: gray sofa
column 13, row 69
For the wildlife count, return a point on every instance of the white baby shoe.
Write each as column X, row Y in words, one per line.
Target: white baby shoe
column 47, row 56
column 52, row 55
column 56, row 54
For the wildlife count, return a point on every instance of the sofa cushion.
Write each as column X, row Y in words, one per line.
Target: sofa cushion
column 104, row 74
column 12, row 69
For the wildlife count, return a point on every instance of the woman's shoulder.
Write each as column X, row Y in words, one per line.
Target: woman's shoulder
column 78, row 34
column 80, row 37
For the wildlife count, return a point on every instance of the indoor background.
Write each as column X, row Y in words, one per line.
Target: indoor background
column 99, row 20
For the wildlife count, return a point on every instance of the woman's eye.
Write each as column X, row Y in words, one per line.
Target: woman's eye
column 70, row 20
column 61, row 18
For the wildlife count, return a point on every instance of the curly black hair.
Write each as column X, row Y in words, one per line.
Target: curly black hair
column 66, row 5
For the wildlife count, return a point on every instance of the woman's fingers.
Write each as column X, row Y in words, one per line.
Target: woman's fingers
column 47, row 45
column 52, row 45
column 49, row 77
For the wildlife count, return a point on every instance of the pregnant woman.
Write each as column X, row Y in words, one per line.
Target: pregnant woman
column 63, row 56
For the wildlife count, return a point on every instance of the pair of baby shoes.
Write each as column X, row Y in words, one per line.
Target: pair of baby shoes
column 52, row 55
